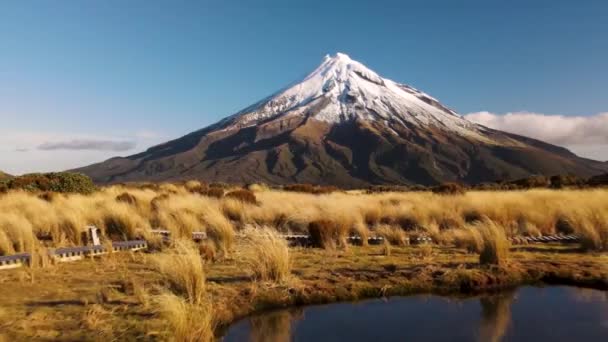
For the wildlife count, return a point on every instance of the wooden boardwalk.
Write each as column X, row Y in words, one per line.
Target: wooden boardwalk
column 67, row 254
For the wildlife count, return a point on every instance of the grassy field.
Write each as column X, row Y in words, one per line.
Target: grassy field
column 187, row 291
column 127, row 213
column 126, row 296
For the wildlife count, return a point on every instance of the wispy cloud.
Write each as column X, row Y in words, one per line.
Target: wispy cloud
column 585, row 135
column 42, row 151
column 89, row 145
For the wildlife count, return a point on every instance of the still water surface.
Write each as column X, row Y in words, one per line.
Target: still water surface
column 526, row 314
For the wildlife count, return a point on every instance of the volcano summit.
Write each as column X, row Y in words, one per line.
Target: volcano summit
column 345, row 125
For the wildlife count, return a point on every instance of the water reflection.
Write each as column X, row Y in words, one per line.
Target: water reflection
column 274, row 326
column 526, row 314
column 495, row 316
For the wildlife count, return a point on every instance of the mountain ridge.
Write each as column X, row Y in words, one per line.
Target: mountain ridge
column 345, row 125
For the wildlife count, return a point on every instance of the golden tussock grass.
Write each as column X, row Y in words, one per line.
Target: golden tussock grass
column 187, row 322
column 468, row 238
column 182, row 268
column 393, row 235
column 592, row 227
column 495, row 250
column 328, row 234
column 266, row 254
column 175, row 208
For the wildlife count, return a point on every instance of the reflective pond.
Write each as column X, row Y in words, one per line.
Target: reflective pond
column 553, row 313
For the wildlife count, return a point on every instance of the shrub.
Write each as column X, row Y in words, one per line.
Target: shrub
column 495, row 249
column 66, row 182
column 327, row 234
column 307, row 188
column 449, row 189
column 531, row 182
column 311, row 189
column 266, row 254
column 561, row 181
column 182, row 267
column 387, row 188
column 600, row 180
column 488, row 186
column 243, row 195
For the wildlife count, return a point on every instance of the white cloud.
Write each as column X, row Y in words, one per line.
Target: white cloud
column 88, row 144
column 584, row 135
column 40, row 151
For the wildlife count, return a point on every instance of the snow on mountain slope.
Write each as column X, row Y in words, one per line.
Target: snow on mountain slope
column 345, row 125
column 342, row 89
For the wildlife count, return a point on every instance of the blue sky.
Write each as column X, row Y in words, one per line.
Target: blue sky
column 141, row 72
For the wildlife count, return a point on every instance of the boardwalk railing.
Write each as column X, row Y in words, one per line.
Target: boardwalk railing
column 67, row 254
column 572, row 238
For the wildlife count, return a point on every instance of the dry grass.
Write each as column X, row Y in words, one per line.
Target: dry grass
column 266, row 254
column 323, row 276
column 495, row 250
column 183, row 209
column 187, row 322
column 328, row 234
column 468, row 238
column 182, row 267
column 592, row 227
column 394, row 235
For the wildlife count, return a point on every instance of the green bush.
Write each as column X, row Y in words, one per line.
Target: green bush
column 66, row 182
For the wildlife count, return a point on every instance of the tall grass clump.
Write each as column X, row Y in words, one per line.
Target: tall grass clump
column 182, row 267
column 468, row 238
column 327, row 234
column 188, row 322
column 219, row 230
column 266, row 254
column 394, row 235
column 495, row 250
column 16, row 234
column 592, row 229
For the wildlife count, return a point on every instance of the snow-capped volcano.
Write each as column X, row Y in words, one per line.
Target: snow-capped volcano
column 345, row 125
column 342, row 89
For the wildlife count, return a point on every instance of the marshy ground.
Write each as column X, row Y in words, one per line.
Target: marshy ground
column 112, row 297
